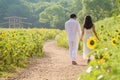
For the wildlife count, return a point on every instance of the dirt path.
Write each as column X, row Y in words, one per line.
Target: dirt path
column 56, row 65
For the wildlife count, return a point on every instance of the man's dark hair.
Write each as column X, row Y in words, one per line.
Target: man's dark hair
column 73, row 16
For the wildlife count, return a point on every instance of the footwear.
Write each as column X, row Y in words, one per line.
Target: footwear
column 88, row 61
column 74, row 63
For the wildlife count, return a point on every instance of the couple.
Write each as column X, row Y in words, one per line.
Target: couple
column 73, row 30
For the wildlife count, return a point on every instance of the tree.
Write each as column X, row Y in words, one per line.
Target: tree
column 77, row 6
column 18, row 10
column 97, row 9
column 36, row 9
column 54, row 15
column 116, row 10
column 3, row 8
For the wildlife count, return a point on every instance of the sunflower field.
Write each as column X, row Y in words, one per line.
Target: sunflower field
column 17, row 45
column 105, row 64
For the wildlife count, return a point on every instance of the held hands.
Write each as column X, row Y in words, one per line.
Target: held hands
column 81, row 39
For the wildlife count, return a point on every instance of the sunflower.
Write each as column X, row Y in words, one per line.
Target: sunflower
column 101, row 61
column 102, row 26
column 117, row 31
column 113, row 41
column 91, row 42
column 118, row 37
column 119, row 34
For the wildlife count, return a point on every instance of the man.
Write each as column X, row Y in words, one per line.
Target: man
column 73, row 30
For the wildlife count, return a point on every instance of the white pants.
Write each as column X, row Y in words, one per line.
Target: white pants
column 73, row 49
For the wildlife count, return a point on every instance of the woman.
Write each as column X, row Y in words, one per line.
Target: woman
column 88, row 30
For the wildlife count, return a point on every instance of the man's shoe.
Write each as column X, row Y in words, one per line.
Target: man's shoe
column 74, row 63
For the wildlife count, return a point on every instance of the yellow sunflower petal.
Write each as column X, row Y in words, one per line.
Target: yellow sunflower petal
column 91, row 42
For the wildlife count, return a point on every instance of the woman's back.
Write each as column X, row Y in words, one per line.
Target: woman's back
column 88, row 33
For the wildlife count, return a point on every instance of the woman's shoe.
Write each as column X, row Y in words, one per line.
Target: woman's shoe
column 88, row 61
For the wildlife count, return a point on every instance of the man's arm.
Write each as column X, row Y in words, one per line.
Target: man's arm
column 65, row 27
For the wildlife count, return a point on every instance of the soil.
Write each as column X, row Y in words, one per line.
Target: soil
column 55, row 65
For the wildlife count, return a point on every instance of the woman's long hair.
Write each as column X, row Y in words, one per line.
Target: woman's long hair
column 88, row 22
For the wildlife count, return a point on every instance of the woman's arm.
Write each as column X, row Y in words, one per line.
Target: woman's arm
column 79, row 30
column 82, row 34
column 95, row 32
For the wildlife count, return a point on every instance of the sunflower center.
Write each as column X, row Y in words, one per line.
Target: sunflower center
column 118, row 33
column 92, row 42
column 114, row 41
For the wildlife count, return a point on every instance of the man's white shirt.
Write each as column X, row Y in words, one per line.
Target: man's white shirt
column 73, row 29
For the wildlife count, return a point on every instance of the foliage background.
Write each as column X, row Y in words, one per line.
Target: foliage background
column 54, row 13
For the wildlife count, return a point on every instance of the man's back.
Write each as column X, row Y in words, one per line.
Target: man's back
column 72, row 28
